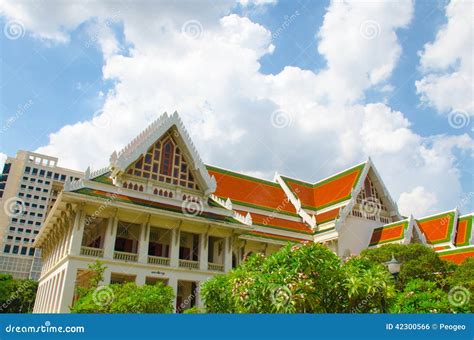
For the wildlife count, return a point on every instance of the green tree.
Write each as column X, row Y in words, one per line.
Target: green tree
column 298, row 278
column 461, row 285
column 17, row 296
column 417, row 262
column 122, row 298
column 421, row 296
column 368, row 285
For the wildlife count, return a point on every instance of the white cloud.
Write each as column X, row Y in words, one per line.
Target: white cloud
column 448, row 63
column 3, row 158
column 419, row 202
column 213, row 80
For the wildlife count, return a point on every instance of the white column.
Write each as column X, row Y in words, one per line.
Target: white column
column 228, row 254
column 143, row 243
column 69, row 288
column 140, row 280
column 109, row 239
column 76, row 233
column 203, row 251
column 174, row 256
column 173, row 283
column 106, row 277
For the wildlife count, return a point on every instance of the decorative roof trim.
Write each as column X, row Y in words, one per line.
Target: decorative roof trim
column 119, row 161
column 307, row 218
column 88, row 175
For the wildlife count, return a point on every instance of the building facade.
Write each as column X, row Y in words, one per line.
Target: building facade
column 158, row 213
column 29, row 186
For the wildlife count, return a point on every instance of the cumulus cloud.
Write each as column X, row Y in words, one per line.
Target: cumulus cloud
column 448, row 63
column 301, row 123
column 419, row 202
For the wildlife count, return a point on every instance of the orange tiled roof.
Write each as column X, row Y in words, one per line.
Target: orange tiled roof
column 328, row 215
column 389, row 233
column 275, row 237
column 272, row 221
column 250, row 191
column 327, row 192
column 438, row 228
column 457, row 255
column 464, row 231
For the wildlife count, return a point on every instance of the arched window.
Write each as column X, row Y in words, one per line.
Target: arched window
column 130, row 185
column 135, row 187
column 167, row 158
column 125, row 185
column 155, row 191
column 140, row 188
column 170, row 195
column 160, row 193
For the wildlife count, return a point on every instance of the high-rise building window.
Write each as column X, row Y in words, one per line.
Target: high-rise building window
column 7, row 248
column 24, row 250
column 15, row 250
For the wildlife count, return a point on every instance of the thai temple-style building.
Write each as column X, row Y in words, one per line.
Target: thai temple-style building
column 158, row 213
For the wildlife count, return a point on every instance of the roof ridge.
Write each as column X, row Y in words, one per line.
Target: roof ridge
column 239, row 173
column 436, row 214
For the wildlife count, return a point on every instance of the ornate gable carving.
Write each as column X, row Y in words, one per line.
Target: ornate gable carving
column 164, row 162
column 369, row 204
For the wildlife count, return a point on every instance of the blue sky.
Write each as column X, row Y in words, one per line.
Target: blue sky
column 66, row 74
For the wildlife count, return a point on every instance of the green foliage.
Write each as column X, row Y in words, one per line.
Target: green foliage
column 17, row 296
column 421, row 296
column 126, row 298
column 463, row 276
column 369, row 287
column 122, row 298
column 418, row 262
column 218, row 293
column 299, row 278
column 194, row 310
